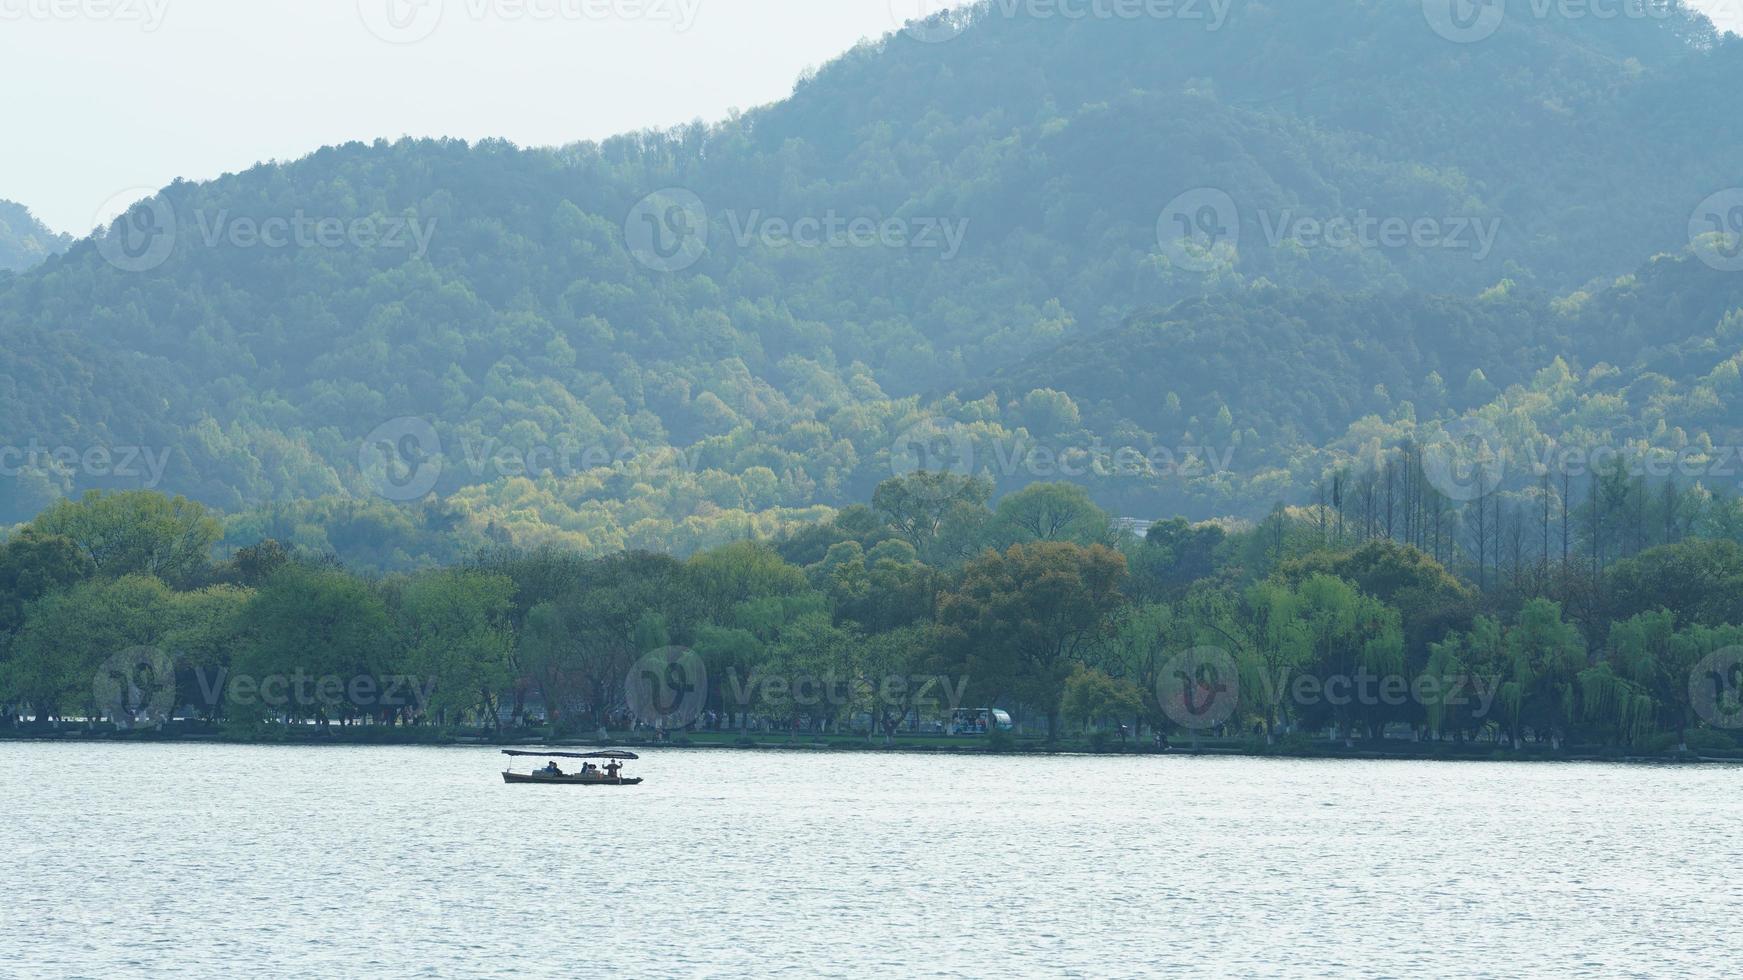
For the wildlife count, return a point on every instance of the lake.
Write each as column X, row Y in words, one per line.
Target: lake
column 207, row 861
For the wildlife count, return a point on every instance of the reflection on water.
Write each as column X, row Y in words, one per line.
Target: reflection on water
column 211, row 860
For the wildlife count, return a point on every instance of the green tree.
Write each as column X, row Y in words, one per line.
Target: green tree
column 459, row 642
column 891, row 667
column 940, row 514
column 1698, row 581
column 1279, row 645
column 1030, row 615
column 207, row 627
column 1659, row 661
column 1355, row 646
column 1050, row 512
column 1546, row 656
column 1091, row 697
column 67, row 636
column 136, row 532
column 33, row 565
column 322, row 646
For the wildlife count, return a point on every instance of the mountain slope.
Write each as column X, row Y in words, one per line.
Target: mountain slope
column 1014, row 180
column 23, row 240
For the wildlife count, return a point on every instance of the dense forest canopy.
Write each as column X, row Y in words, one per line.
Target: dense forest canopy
column 884, row 619
column 949, row 254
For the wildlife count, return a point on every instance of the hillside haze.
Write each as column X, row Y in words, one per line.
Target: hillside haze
column 1199, row 239
column 24, row 241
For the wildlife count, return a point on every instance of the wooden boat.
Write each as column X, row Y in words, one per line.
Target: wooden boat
column 553, row 775
column 577, row 779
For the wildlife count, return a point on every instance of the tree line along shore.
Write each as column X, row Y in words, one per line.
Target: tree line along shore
column 1560, row 627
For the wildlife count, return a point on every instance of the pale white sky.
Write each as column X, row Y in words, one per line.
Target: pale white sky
column 105, row 97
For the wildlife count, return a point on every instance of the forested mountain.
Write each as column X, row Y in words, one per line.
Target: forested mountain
column 1647, row 355
column 589, row 366
column 23, row 240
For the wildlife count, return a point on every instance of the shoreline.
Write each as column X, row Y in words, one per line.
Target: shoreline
column 1400, row 751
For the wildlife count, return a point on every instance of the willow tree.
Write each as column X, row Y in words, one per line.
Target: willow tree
column 1545, row 655
column 1687, row 673
column 1617, row 704
column 1145, row 638
column 1447, row 675
column 1659, row 663
column 1351, row 639
column 1279, row 644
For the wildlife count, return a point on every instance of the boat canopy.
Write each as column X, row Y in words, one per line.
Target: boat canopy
column 573, row 755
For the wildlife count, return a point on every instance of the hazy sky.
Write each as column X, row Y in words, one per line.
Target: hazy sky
column 105, row 97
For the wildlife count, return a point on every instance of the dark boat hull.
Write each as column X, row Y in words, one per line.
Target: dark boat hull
column 521, row 777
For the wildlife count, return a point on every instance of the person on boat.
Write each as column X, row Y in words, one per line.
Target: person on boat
column 612, row 768
column 551, row 768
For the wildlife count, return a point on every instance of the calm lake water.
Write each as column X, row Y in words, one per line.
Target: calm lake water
column 214, row 860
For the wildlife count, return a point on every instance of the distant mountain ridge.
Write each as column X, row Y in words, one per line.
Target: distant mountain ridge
column 1016, row 191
